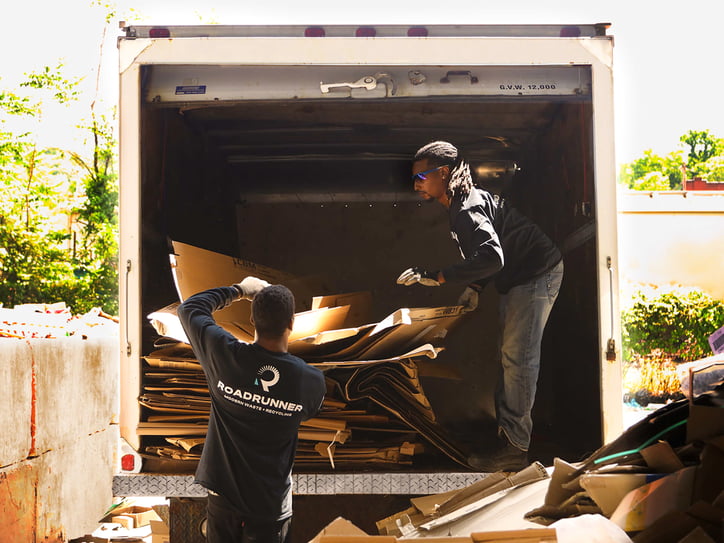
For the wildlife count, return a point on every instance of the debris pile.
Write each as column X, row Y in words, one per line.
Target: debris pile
column 52, row 321
column 661, row 481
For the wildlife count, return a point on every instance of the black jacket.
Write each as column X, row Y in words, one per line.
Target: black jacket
column 258, row 400
column 497, row 242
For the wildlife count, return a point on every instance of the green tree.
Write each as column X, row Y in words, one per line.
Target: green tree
column 42, row 195
column 96, row 256
column 702, row 157
column 703, row 147
column 637, row 175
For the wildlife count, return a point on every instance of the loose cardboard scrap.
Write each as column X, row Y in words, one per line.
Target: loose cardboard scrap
column 195, row 269
column 432, row 512
column 661, row 458
column 360, row 306
column 608, row 489
column 135, row 515
column 160, row 532
column 533, row 535
column 339, row 526
column 643, row 506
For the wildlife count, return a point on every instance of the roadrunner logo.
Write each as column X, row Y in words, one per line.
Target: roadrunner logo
column 268, row 377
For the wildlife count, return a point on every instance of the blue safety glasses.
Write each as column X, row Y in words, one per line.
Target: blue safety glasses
column 421, row 175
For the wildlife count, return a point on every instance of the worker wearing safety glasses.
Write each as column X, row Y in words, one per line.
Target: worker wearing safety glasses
column 497, row 244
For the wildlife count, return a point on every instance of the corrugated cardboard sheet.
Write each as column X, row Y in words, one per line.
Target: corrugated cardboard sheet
column 375, row 410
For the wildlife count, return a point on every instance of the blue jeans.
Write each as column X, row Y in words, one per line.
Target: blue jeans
column 524, row 311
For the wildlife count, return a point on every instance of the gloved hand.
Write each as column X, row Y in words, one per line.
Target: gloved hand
column 250, row 287
column 417, row 275
column 468, row 299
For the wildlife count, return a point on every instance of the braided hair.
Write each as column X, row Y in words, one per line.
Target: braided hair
column 442, row 153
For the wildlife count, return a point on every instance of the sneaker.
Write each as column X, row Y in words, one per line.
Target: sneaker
column 506, row 457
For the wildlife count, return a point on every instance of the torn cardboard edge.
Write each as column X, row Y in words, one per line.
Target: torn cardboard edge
column 341, row 530
column 430, row 512
column 329, row 318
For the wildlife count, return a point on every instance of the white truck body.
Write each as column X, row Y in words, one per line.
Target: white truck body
column 274, row 103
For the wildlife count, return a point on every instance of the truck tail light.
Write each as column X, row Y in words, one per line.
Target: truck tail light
column 128, row 462
column 365, row 32
column 314, row 32
column 417, row 32
column 159, row 33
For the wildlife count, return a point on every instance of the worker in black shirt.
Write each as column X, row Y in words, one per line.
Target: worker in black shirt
column 497, row 243
column 259, row 396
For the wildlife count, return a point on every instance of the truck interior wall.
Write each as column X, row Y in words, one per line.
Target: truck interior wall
column 355, row 224
column 568, row 409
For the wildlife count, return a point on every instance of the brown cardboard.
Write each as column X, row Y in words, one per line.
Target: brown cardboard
column 661, row 458
column 125, row 521
column 135, row 515
column 309, row 323
column 641, row 507
column 357, row 539
column 360, row 303
column 195, row 270
column 710, row 475
column 563, row 474
column 608, row 489
column 160, row 532
column 338, row 527
column 704, row 422
column 533, row 535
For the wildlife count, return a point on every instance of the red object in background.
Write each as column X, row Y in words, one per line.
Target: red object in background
column 699, row 184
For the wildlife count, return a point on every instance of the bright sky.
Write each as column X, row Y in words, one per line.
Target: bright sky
column 667, row 54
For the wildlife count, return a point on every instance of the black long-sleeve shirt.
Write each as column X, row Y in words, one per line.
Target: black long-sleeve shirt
column 497, row 242
column 258, row 400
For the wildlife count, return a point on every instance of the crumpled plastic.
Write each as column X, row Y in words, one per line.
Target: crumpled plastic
column 589, row 528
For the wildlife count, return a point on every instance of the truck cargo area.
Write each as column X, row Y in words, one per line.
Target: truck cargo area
column 321, row 187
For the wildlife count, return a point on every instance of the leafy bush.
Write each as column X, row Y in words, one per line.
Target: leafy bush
column 678, row 323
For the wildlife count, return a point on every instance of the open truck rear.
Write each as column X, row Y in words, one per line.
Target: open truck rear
column 290, row 147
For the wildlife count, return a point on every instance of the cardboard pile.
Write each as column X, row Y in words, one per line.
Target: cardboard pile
column 130, row 520
column 661, row 481
column 375, row 410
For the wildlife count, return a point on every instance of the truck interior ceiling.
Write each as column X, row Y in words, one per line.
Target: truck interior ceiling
column 321, row 187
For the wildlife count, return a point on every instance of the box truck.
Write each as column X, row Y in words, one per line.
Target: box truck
column 291, row 146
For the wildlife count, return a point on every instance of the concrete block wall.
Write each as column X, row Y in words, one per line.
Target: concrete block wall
column 58, row 414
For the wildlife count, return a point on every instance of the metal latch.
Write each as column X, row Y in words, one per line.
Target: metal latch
column 611, row 343
column 368, row 82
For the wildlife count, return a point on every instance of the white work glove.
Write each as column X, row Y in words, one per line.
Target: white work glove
column 417, row 275
column 250, row 287
column 468, row 299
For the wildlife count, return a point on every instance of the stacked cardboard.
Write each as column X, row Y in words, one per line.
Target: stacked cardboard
column 375, row 410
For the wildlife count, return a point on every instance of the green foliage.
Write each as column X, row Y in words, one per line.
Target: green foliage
column 64, row 90
column 97, row 254
column 57, row 213
column 668, row 170
column 677, row 323
column 702, row 158
column 702, row 147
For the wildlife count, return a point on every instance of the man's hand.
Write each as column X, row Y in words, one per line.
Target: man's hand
column 250, row 287
column 468, row 299
column 417, row 275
